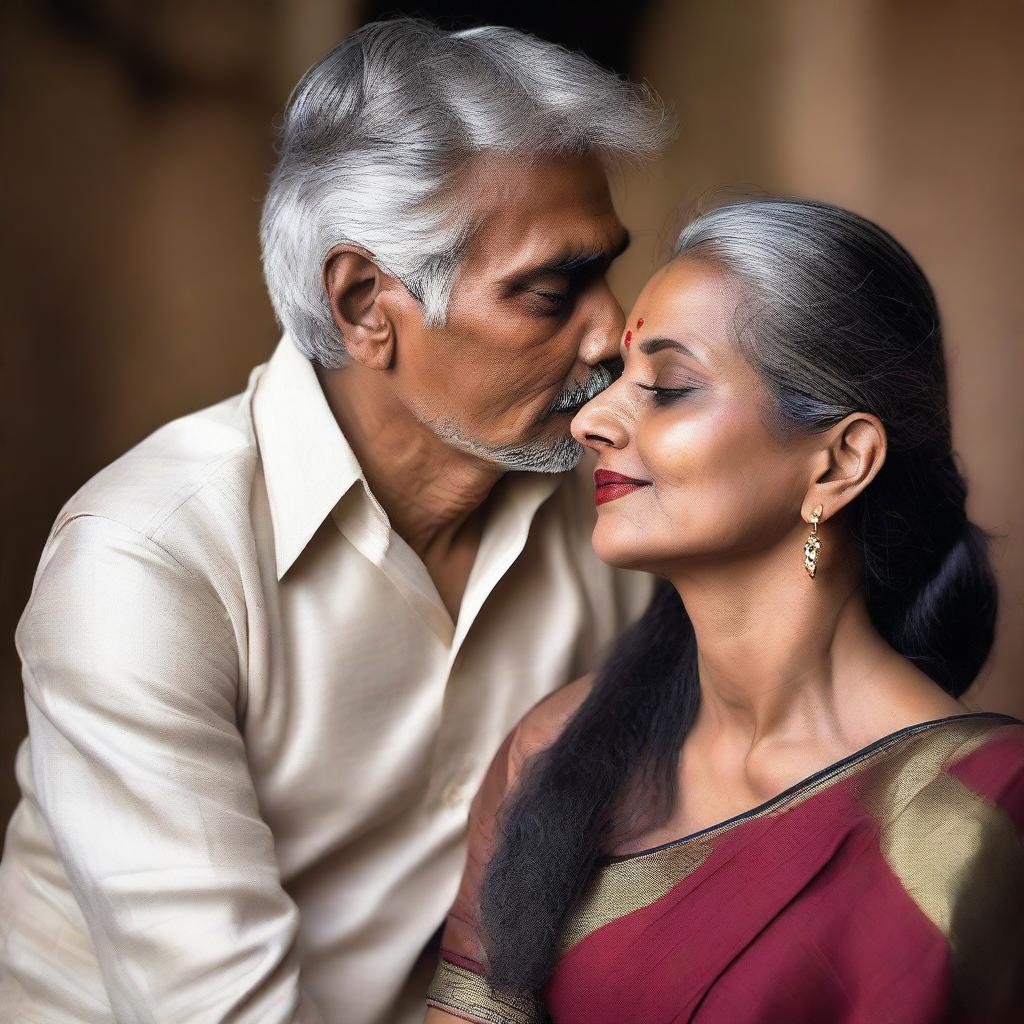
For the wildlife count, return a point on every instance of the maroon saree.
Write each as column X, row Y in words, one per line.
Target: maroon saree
column 886, row 887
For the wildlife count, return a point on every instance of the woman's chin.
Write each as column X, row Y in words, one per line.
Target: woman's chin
column 622, row 552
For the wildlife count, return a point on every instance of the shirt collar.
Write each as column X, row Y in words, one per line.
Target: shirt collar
column 309, row 466
column 307, row 463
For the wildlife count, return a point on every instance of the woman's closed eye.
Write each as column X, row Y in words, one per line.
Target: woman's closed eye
column 663, row 394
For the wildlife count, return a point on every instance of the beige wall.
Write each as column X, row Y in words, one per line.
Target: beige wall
column 135, row 156
column 909, row 113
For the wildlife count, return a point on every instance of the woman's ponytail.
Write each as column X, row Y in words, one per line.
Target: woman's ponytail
column 948, row 627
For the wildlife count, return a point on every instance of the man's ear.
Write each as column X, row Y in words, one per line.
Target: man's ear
column 354, row 284
column 851, row 454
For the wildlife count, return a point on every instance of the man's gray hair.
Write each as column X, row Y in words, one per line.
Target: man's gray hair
column 377, row 129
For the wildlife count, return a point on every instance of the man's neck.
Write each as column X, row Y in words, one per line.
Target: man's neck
column 432, row 493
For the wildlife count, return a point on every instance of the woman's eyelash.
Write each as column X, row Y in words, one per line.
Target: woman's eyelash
column 662, row 395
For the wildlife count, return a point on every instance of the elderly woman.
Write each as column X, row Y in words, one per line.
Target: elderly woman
column 770, row 804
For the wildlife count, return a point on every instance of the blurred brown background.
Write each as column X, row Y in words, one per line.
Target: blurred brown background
column 137, row 138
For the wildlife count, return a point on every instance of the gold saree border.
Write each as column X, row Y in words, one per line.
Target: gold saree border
column 960, row 859
column 622, row 886
column 462, row 992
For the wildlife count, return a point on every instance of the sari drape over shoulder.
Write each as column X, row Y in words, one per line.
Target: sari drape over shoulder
column 886, row 887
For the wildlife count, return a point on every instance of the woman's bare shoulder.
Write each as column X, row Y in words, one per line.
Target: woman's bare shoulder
column 544, row 722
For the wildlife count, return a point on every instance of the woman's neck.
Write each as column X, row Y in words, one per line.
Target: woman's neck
column 781, row 655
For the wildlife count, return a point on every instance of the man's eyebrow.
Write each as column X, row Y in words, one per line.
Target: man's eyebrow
column 653, row 345
column 574, row 261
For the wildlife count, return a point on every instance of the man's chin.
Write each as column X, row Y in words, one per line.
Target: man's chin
column 539, row 454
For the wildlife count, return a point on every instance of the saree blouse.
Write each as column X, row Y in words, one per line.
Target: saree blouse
column 888, row 886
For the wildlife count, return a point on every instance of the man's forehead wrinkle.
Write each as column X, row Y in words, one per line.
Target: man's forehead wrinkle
column 511, row 188
column 530, row 243
column 495, row 182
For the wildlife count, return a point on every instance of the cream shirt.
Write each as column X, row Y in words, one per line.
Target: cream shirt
column 254, row 730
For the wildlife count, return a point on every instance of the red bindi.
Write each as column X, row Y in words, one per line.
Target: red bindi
column 629, row 338
column 639, row 324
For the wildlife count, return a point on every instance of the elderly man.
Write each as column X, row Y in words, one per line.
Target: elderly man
column 270, row 651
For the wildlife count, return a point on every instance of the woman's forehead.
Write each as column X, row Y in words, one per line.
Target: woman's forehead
column 693, row 297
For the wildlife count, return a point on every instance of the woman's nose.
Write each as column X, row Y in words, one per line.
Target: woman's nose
column 601, row 423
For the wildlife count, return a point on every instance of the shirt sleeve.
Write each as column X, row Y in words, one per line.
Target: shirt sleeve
column 140, row 772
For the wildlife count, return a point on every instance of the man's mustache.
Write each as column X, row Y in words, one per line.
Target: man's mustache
column 578, row 394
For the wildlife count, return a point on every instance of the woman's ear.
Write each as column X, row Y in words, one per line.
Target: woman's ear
column 849, row 457
column 354, row 284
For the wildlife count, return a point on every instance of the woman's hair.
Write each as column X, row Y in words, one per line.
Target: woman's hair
column 837, row 318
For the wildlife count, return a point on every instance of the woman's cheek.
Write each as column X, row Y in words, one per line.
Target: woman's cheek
column 672, row 451
column 699, row 465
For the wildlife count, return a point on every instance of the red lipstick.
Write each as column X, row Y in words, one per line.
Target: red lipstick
column 609, row 485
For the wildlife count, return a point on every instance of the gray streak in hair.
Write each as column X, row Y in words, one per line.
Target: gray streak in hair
column 826, row 315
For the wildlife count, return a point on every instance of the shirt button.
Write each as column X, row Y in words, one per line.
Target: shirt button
column 454, row 794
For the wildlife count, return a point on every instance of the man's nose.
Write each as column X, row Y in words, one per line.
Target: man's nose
column 604, row 334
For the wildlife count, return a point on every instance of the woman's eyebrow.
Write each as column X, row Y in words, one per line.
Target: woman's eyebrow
column 652, row 345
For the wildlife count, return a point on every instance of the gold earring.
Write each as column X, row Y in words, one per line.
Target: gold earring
column 813, row 544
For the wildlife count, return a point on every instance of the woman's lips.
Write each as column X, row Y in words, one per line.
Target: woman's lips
column 608, row 486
